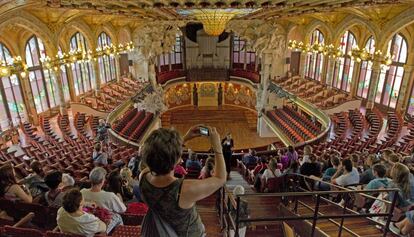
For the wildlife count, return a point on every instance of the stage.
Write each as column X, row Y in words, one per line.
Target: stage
column 240, row 122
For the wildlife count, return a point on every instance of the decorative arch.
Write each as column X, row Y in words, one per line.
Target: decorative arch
column 31, row 24
column 74, row 26
column 321, row 26
column 109, row 30
column 350, row 21
column 124, row 35
column 395, row 25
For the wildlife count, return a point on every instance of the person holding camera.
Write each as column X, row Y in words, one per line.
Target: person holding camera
column 171, row 200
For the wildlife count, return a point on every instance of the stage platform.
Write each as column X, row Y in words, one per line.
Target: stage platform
column 240, row 122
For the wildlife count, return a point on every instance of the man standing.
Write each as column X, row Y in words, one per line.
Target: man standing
column 227, row 144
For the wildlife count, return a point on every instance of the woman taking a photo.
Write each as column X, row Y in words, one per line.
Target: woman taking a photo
column 171, row 201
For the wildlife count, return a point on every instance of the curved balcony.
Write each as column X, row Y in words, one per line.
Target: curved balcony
column 305, row 106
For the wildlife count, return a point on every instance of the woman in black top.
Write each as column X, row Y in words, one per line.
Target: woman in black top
column 227, row 144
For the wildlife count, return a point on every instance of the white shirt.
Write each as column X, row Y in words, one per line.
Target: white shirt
column 305, row 159
column 107, row 200
column 87, row 224
column 348, row 178
column 269, row 174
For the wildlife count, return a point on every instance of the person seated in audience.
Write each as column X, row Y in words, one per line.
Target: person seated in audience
column 346, row 174
column 293, row 168
column 250, row 159
column 311, row 168
column 174, row 199
column 99, row 157
column 385, row 156
column 104, row 199
column 179, row 170
column 35, row 181
column 136, row 190
column 67, row 182
column 126, row 174
column 307, row 152
column 368, row 173
column 327, row 175
column 291, row 154
column 54, row 196
column 412, row 154
column 380, row 180
column 272, row 171
column 243, row 211
column 133, row 164
column 193, row 162
column 404, row 181
column 355, row 162
column 9, row 188
column 405, row 226
column 208, row 169
column 72, row 219
column 119, row 186
column 261, row 167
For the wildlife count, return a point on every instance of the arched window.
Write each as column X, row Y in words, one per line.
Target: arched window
column 242, row 56
column 44, row 88
column 389, row 84
column 83, row 77
column 11, row 100
column 366, row 71
column 344, row 66
column 174, row 58
column 410, row 108
column 314, row 61
column 107, row 67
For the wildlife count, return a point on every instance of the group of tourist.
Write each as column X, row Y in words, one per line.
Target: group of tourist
column 151, row 177
column 330, row 170
column 148, row 177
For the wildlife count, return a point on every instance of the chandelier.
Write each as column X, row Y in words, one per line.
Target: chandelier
column 215, row 20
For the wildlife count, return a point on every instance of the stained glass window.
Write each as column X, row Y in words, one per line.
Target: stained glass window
column 366, row 71
column 107, row 68
column 43, row 84
column 389, row 84
column 242, row 55
column 11, row 100
column 83, row 77
column 314, row 61
column 344, row 66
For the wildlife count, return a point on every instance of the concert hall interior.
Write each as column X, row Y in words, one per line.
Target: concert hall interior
column 194, row 118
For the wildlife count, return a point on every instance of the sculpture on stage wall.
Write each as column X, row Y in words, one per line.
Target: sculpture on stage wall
column 154, row 102
column 156, row 38
column 261, row 35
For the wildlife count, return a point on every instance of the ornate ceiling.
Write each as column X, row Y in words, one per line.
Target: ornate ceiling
column 138, row 12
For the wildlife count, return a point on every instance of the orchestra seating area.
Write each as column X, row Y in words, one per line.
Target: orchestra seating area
column 112, row 94
column 295, row 125
column 133, row 124
column 313, row 91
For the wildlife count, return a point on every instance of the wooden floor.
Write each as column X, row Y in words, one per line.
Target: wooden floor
column 240, row 122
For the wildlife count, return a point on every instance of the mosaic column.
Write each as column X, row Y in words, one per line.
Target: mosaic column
column 405, row 90
column 28, row 99
column 376, row 72
column 58, row 77
column 97, row 76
